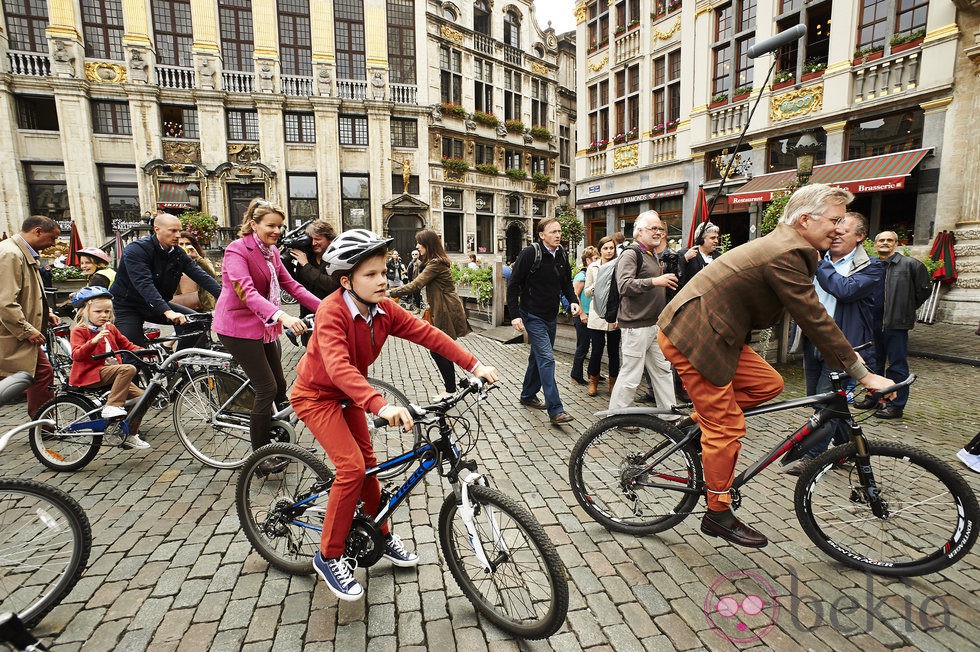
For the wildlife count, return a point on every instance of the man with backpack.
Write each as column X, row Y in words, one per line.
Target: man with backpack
column 540, row 276
column 642, row 287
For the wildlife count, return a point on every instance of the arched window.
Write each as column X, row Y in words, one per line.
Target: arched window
column 481, row 18
column 512, row 28
column 449, row 12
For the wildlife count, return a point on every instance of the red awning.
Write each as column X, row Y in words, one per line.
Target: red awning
column 173, row 195
column 873, row 174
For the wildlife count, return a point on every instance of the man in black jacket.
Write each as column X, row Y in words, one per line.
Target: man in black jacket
column 539, row 278
column 148, row 275
column 906, row 287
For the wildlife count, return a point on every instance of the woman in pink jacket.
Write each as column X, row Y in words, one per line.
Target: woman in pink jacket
column 248, row 318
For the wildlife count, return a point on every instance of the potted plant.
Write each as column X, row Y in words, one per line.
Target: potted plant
column 632, row 133
column 813, row 69
column 633, row 24
column 902, row 42
column 454, row 110
column 540, row 179
column 455, row 165
column 673, row 5
column 741, row 93
column 514, row 126
column 202, row 226
column 597, row 145
column 604, row 42
column 487, row 168
column 487, row 119
column 671, row 125
column 619, row 139
column 659, row 9
column 517, row 174
column 620, row 29
column 540, row 132
column 68, row 278
column 783, row 79
column 720, row 99
column 868, row 54
column 657, row 128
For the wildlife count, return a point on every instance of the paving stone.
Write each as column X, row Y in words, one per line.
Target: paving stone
column 211, row 607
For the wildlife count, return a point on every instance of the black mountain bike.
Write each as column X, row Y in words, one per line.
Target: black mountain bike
column 498, row 553
column 881, row 507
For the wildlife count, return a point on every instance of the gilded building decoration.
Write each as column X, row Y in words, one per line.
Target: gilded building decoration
column 703, row 10
column 627, row 156
column 795, row 103
column 666, row 34
column 539, row 68
column 581, row 11
column 596, row 66
column 243, row 154
column 102, row 71
column 453, row 35
column 176, row 151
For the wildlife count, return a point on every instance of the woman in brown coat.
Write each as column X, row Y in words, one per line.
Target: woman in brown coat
column 445, row 306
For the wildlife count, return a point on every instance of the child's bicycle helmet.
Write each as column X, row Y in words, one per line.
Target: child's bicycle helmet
column 351, row 247
column 86, row 294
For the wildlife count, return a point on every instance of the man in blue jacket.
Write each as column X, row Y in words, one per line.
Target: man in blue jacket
column 148, row 275
column 846, row 282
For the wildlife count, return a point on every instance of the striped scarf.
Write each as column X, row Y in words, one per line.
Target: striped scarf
column 272, row 331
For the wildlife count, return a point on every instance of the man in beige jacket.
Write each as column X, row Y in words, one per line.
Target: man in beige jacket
column 24, row 311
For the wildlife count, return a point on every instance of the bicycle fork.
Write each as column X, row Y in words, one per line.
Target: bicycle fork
column 868, row 491
column 466, row 512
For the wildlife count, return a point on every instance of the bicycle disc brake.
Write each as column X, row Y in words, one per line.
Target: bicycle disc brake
column 365, row 543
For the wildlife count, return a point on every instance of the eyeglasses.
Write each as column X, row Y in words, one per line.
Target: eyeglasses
column 655, row 229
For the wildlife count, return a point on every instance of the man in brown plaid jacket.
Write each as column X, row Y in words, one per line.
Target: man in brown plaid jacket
column 704, row 330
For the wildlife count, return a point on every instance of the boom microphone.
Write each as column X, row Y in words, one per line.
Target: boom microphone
column 772, row 44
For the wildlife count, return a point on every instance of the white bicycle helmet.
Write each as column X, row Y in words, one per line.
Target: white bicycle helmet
column 351, row 247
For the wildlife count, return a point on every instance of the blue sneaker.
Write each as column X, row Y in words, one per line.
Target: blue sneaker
column 338, row 575
column 396, row 553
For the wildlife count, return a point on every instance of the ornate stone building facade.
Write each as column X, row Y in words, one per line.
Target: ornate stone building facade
column 666, row 87
column 114, row 108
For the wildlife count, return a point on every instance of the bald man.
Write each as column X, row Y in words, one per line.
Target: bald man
column 149, row 273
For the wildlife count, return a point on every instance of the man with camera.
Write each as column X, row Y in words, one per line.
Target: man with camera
column 306, row 249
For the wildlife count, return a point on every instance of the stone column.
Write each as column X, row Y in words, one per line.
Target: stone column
column 214, row 148
column 327, row 157
column 207, row 52
column 379, row 135
column 147, row 141
column 835, row 141
column 75, row 121
column 64, row 39
column 266, row 45
column 13, row 189
column 324, row 60
column 699, row 73
column 273, row 144
column 837, row 91
column 933, row 127
column 137, row 23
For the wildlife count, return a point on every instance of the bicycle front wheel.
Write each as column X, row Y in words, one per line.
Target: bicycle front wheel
column 609, row 474
column 196, row 409
column 45, row 540
column 389, row 442
column 271, row 482
column 932, row 513
column 524, row 590
column 60, row 448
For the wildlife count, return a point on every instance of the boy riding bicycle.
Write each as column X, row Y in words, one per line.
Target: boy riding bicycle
column 331, row 393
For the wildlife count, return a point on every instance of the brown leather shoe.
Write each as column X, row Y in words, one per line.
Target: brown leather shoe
column 738, row 533
column 562, row 417
column 593, row 386
column 534, row 402
column 612, row 383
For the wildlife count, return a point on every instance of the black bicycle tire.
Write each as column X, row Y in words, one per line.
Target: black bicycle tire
column 81, row 531
column 402, row 401
column 253, row 531
column 96, row 440
column 963, row 534
column 619, row 423
column 180, row 425
column 556, row 572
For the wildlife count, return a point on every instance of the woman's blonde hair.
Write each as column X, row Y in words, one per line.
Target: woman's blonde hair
column 587, row 253
column 82, row 313
column 258, row 208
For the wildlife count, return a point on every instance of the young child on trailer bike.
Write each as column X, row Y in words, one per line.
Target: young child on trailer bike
column 331, row 393
column 95, row 334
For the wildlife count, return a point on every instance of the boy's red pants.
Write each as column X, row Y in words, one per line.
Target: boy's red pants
column 344, row 435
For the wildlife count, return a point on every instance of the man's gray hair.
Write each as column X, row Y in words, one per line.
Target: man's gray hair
column 812, row 200
column 644, row 218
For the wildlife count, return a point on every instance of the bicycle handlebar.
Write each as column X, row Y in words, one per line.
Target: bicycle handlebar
column 881, row 393
column 468, row 386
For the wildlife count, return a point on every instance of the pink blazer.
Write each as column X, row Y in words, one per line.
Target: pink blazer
column 243, row 308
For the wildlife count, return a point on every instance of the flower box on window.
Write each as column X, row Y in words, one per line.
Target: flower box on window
column 454, row 110
column 673, row 5
column 540, row 180
column 813, row 69
column 541, row 133
column 741, row 93
column 671, row 125
column 620, row 29
column 633, row 24
column 517, row 174
column 453, row 164
column 868, row 54
column 721, row 99
column 487, row 119
column 902, row 42
column 487, row 168
column 514, row 126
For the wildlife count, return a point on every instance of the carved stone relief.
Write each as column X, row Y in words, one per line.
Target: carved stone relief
column 243, row 154
column 138, row 68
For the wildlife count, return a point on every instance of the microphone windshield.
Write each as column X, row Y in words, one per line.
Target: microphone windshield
column 775, row 42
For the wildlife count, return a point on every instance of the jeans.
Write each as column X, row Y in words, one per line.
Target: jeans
column 582, row 340
column 817, row 376
column 130, row 322
column 540, row 372
column 892, row 346
column 609, row 340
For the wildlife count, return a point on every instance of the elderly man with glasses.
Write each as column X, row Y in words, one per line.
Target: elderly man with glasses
column 642, row 289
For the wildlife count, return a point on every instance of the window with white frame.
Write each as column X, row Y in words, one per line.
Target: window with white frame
column 599, row 113
column 539, row 102
column 627, row 105
column 512, row 94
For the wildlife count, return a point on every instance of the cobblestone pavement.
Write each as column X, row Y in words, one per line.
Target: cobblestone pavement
column 950, row 342
column 171, row 570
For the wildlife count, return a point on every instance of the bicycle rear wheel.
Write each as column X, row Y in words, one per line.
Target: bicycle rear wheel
column 61, row 449
column 45, row 540
column 524, row 592
column 390, row 442
column 265, row 499
column 932, row 512
column 198, row 400
column 609, row 480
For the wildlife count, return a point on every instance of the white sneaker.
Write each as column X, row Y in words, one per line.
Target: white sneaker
column 134, row 441
column 113, row 412
column 971, row 460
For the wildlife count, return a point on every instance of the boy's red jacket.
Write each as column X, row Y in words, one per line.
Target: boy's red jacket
column 85, row 370
column 342, row 348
